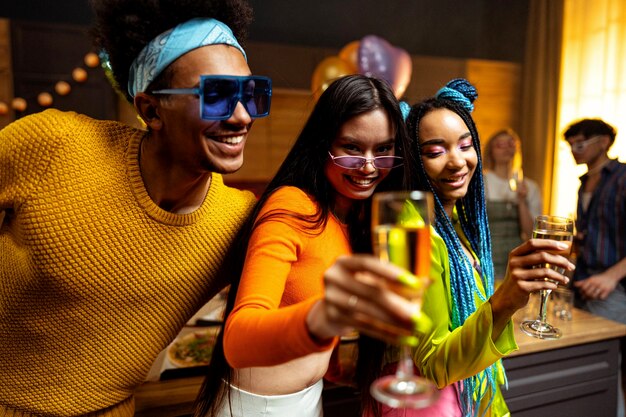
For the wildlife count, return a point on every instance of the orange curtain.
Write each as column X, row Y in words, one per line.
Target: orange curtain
column 540, row 84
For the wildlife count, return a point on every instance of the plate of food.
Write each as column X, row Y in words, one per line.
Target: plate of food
column 193, row 349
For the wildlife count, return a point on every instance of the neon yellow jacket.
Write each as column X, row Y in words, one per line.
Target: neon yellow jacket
column 448, row 356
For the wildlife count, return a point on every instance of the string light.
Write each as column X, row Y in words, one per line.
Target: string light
column 79, row 75
column 61, row 88
column 19, row 104
column 92, row 60
column 45, row 99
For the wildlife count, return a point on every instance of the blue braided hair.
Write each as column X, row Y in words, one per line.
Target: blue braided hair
column 458, row 96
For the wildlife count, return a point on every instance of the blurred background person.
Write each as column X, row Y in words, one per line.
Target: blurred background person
column 512, row 200
column 600, row 242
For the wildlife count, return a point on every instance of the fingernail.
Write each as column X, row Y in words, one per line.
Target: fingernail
column 562, row 245
column 408, row 279
column 421, row 322
column 408, row 340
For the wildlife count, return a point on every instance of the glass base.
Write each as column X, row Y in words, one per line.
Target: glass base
column 540, row 330
column 408, row 392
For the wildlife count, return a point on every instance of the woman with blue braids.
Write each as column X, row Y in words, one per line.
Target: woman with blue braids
column 471, row 324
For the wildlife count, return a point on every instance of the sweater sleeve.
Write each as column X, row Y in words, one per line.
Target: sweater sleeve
column 278, row 333
column 26, row 149
column 446, row 356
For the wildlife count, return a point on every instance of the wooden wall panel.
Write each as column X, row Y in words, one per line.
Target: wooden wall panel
column 499, row 94
column 429, row 74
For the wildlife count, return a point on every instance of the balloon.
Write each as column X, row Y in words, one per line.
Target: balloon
column 329, row 69
column 350, row 54
column 403, row 73
column 378, row 58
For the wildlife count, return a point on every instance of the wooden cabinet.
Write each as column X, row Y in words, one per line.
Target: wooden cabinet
column 571, row 381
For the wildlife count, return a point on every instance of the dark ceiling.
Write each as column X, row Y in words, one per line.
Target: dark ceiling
column 484, row 29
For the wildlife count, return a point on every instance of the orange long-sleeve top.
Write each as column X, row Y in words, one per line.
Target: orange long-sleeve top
column 282, row 278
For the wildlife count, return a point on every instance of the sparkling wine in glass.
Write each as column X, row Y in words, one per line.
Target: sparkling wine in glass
column 401, row 235
column 562, row 230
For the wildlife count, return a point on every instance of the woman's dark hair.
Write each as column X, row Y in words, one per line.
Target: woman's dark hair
column 123, row 27
column 303, row 168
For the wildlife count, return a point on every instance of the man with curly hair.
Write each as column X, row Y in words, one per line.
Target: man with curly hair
column 111, row 237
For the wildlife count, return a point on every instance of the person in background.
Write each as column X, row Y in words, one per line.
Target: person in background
column 600, row 277
column 600, row 241
column 285, row 312
column 513, row 201
column 111, row 237
column 472, row 327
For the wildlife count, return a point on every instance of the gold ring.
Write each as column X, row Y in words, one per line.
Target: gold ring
column 352, row 301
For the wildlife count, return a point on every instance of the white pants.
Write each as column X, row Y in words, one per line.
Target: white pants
column 305, row 403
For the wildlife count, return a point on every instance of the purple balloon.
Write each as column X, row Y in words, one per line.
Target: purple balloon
column 378, row 58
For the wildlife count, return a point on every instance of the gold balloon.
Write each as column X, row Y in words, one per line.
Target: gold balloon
column 19, row 104
column 79, row 75
column 326, row 72
column 4, row 108
column 44, row 99
column 350, row 54
column 62, row 88
column 402, row 77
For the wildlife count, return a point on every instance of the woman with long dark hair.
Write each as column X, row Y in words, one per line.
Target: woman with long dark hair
column 292, row 299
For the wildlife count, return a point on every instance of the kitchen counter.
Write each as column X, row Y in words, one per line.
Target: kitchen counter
column 585, row 358
column 575, row 376
column 583, row 328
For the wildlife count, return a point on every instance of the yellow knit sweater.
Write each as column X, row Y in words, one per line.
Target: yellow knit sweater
column 95, row 279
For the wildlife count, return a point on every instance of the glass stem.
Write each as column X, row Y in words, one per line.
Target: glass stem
column 543, row 307
column 405, row 365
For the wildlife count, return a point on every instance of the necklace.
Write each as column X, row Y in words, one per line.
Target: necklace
column 596, row 169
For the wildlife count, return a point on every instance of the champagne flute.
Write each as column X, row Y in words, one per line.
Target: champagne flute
column 555, row 228
column 401, row 235
column 518, row 176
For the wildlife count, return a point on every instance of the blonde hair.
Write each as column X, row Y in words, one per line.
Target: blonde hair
column 488, row 161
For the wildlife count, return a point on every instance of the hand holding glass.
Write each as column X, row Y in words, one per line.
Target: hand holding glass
column 401, row 234
column 555, row 228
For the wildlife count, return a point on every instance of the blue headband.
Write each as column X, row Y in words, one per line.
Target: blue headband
column 173, row 43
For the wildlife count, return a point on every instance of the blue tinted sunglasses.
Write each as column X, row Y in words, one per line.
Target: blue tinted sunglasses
column 219, row 95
